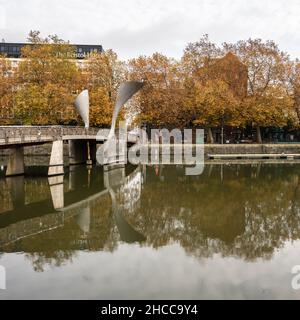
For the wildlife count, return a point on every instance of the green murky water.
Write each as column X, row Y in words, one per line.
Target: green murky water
column 152, row 232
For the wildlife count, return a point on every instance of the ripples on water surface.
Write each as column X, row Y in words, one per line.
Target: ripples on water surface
column 152, row 232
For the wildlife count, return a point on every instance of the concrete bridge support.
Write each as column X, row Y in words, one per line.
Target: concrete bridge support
column 56, row 165
column 15, row 165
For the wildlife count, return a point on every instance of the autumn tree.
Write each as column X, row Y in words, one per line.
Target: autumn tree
column 160, row 102
column 213, row 104
column 268, row 103
column 215, row 85
column 200, row 54
column 296, row 88
column 7, row 82
column 101, row 108
column 249, row 83
column 103, row 73
column 48, row 81
column 105, row 70
column 292, row 78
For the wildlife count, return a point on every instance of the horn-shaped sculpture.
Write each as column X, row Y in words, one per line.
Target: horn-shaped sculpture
column 126, row 91
column 82, row 105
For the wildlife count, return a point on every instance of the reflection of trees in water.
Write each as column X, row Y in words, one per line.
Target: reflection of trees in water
column 56, row 258
column 249, row 213
column 243, row 211
column 59, row 246
column 34, row 190
column 5, row 197
column 56, row 247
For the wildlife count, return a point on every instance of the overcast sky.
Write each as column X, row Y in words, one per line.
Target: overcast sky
column 134, row 27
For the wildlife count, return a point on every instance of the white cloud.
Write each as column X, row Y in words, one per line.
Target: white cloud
column 136, row 27
column 2, row 17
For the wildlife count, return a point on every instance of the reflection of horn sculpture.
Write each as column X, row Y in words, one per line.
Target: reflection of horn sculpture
column 125, row 92
column 127, row 232
column 82, row 105
column 113, row 179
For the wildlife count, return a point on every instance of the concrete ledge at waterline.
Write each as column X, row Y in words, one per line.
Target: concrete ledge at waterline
column 253, row 156
column 253, row 151
column 284, row 148
column 225, row 149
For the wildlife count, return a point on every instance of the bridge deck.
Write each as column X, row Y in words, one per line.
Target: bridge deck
column 11, row 136
column 28, row 135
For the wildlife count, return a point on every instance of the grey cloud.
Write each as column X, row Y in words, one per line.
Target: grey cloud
column 135, row 27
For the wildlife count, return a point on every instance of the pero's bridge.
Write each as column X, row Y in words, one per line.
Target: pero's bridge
column 82, row 143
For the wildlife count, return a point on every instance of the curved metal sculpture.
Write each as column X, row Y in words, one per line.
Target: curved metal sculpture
column 126, row 91
column 82, row 105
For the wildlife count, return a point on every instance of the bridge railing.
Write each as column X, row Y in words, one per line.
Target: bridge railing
column 27, row 134
column 80, row 131
column 23, row 134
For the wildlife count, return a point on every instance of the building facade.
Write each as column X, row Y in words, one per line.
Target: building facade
column 230, row 70
column 14, row 50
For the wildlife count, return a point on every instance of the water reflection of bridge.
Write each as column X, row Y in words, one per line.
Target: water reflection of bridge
column 26, row 220
column 245, row 211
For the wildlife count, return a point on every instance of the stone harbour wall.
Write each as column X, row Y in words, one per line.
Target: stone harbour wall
column 45, row 150
column 41, row 150
column 252, row 148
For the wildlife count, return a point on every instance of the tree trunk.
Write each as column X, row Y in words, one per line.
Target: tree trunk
column 258, row 135
column 210, row 137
